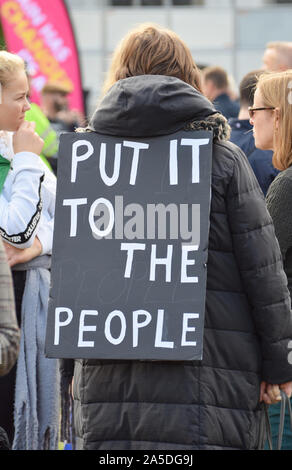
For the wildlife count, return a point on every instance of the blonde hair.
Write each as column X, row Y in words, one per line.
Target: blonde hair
column 151, row 49
column 9, row 65
column 276, row 91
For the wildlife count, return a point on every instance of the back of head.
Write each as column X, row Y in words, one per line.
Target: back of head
column 282, row 55
column 153, row 50
column 275, row 89
column 56, row 87
column 247, row 88
column 10, row 64
column 217, row 75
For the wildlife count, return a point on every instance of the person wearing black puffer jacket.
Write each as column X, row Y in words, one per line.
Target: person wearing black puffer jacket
column 216, row 403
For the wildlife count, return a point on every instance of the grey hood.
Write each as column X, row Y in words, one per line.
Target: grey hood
column 149, row 105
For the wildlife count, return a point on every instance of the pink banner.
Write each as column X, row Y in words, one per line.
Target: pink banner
column 40, row 32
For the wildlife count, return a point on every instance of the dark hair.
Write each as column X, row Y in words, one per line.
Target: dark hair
column 217, row 75
column 247, row 87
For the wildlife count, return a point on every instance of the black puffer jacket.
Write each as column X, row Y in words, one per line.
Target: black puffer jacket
column 213, row 404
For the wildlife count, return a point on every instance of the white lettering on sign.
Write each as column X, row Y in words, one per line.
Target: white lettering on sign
column 186, row 329
column 82, row 328
column 109, row 181
column 130, row 248
column 141, row 258
column 166, row 261
column 59, row 323
column 74, row 203
column 140, row 320
column 195, row 144
column 111, row 219
column 107, row 327
column 139, row 324
column 154, row 261
column 159, row 331
column 187, row 262
column 137, row 146
column 79, row 158
column 173, row 158
column 163, row 222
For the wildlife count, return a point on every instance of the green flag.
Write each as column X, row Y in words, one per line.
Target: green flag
column 4, row 169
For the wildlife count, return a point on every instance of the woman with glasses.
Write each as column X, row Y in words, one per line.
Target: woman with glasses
column 271, row 116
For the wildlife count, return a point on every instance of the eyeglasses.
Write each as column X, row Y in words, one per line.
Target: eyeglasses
column 252, row 110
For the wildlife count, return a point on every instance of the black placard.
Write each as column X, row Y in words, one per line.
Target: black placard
column 130, row 247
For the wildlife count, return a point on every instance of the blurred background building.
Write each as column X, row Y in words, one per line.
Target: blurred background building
column 229, row 33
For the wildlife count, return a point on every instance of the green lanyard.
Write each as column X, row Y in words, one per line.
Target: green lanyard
column 4, row 169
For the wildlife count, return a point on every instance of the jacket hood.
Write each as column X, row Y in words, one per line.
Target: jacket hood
column 149, row 105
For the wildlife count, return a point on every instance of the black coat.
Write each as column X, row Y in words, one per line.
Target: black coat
column 212, row 404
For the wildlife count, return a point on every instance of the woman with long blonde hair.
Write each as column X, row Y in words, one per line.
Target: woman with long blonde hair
column 271, row 116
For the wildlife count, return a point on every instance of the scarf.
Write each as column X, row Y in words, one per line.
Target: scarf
column 4, row 169
column 37, row 394
column 6, row 156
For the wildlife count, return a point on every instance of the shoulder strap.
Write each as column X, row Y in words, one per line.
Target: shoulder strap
column 284, row 402
column 267, row 430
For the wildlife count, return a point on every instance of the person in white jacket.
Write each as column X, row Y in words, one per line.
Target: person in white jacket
column 27, row 203
column 27, row 199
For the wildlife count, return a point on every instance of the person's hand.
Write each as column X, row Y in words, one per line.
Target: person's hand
column 25, row 139
column 270, row 393
column 17, row 255
column 287, row 388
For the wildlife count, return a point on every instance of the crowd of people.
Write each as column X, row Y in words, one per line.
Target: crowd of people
column 218, row 402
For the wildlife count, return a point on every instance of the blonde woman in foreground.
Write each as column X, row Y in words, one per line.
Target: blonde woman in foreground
column 29, row 393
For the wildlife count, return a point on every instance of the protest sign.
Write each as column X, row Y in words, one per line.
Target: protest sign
column 130, row 247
